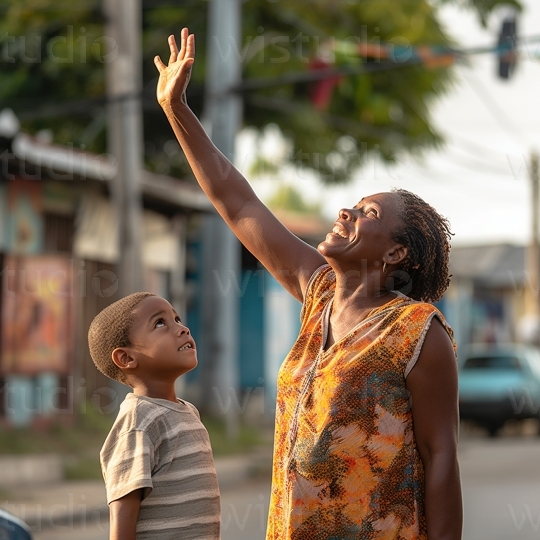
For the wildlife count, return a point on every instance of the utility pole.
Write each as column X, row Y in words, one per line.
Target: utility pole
column 532, row 261
column 178, row 280
column 125, row 135
column 221, row 250
column 125, row 139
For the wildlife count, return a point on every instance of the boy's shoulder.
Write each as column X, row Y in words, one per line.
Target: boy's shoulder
column 153, row 416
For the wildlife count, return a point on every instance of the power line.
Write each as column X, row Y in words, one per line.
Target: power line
column 363, row 67
column 450, row 179
column 469, row 145
column 73, row 7
column 249, row 85
column 505, row 175
column 492, row 106
column 339, row 122
column 346, row 124
column 486, row 167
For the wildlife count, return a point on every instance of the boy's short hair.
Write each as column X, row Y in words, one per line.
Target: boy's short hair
column 109, row 330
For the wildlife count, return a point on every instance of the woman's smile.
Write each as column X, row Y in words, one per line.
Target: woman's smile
column 340, row 230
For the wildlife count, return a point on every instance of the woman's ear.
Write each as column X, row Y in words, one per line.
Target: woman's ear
column 122, row 359
column 396, row 255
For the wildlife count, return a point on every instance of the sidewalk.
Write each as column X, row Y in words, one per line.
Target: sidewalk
column 77, row 503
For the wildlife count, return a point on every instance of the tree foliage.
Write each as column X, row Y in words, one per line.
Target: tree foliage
column 289, row 198
column 383, row 110
column 52, row 67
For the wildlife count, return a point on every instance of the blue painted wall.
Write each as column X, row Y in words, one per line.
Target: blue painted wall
column 252, row 329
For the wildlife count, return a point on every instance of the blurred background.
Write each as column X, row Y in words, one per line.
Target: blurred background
column 318, row 104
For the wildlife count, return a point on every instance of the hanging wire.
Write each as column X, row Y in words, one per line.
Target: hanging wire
column 249, row 85
column 490, row 103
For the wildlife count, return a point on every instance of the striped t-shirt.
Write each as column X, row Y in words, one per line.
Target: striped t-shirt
column 163, row 448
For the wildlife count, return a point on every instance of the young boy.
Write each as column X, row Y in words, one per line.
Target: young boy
column 156, row 461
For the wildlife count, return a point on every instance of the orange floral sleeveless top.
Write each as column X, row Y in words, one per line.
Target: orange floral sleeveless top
column 346, row 466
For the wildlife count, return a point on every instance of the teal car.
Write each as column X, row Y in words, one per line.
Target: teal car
column 12, row 528
column 498, row 383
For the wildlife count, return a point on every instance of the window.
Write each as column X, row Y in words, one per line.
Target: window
column 58, row 233
column 493, row 362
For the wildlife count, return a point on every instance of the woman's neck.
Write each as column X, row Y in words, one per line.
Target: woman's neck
column 361, row 290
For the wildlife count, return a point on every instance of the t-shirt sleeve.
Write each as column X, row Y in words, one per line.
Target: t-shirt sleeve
column 127, row 463
column 194, row 409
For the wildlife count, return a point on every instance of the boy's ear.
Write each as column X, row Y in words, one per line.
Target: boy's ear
column 122, row 359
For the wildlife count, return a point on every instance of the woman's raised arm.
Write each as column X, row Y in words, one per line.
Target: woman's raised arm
column 290, row 260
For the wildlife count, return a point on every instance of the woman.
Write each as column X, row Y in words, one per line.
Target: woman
column 366, row 417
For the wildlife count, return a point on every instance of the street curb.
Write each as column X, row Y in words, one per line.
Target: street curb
column 96, row 515
column 30, row 469
column 231, row 471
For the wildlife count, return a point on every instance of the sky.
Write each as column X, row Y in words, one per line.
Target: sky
column 479, row 178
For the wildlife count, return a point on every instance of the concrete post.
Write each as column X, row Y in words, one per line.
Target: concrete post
column 125, row 140
column 221, row 255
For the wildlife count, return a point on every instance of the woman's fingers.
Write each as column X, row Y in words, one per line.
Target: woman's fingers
column 174, row 49
column 159, row 64
column 190, row 47
column 187, row 49
column 183, row 40
column 187, row 46
column 182, row 60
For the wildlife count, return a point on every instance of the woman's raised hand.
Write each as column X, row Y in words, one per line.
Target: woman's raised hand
column 174, row 78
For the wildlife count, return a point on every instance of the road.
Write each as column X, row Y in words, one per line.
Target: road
column 501, row 487
column 501, row 490
column 244, row 516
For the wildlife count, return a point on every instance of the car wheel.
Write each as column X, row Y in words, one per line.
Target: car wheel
column 493, row 429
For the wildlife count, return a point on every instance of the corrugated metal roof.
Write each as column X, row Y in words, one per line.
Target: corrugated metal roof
column 63, row 162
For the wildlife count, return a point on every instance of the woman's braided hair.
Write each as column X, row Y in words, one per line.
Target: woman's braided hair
column 424, row 274
column 109, row 330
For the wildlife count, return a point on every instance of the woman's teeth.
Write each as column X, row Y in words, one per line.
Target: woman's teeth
column 337, row 230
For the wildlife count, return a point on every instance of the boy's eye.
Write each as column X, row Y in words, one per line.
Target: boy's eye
column 159, row 323
column 178, row 320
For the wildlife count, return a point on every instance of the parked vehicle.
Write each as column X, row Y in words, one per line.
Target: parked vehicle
column 12, row 528
column 498, row 383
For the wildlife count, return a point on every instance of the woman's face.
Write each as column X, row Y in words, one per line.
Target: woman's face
column 364, row 232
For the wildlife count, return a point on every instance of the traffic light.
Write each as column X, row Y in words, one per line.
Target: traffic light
column 506, row 47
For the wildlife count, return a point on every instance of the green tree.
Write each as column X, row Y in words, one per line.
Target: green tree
column 290, row 199
column 53, row 74
column 52, row 57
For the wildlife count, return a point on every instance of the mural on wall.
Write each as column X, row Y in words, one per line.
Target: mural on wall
column 25, row 221
column 36, row 323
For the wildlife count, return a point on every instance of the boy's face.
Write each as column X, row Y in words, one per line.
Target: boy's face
column 162, row 345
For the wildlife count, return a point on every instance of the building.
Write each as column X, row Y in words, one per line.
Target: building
column 58, row 254
column 58, row 249
column 486, row 301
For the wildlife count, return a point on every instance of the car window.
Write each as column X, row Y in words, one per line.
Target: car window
column 534, row 357
column 493, row 362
